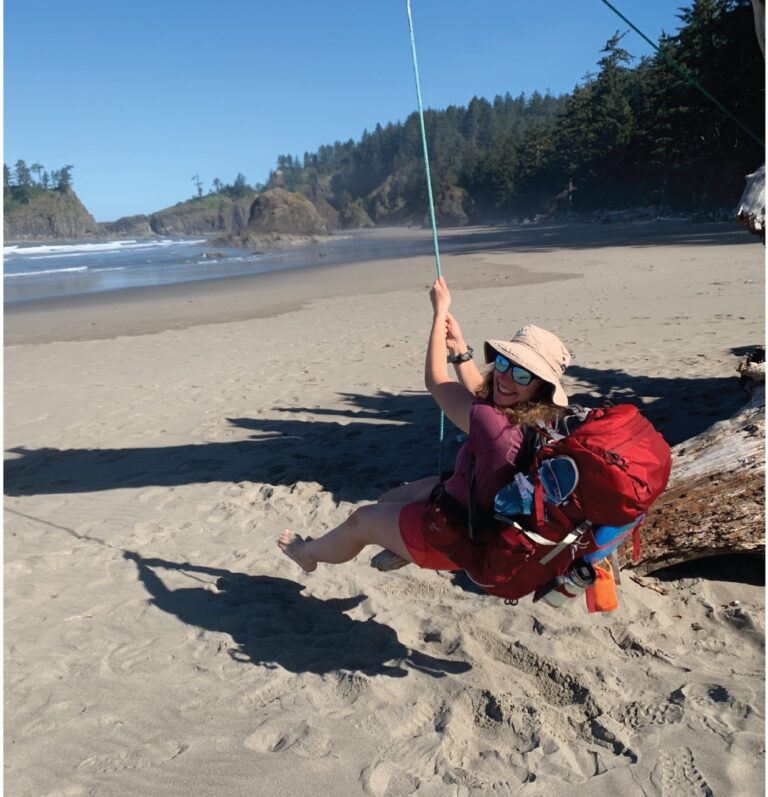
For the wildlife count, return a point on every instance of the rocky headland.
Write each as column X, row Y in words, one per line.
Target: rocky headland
column 49, row 215
column 277, row 218
column 270, row 219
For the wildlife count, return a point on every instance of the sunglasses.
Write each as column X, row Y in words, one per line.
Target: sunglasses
column 519, row 374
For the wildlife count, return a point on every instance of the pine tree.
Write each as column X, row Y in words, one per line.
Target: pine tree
column 22, row 173
column 64, row 181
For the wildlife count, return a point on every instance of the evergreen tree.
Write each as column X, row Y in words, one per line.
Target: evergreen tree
column 240, row 187
column 629, row 134
column 22, row 173
column 64, row 179
column 37, row 169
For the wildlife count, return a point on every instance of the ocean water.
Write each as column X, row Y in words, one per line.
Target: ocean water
column 38, row 272
column 42, row 271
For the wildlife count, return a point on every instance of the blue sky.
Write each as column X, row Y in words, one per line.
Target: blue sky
column 141, row 96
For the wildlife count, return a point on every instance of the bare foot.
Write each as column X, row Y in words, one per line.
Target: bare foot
column 292, row 545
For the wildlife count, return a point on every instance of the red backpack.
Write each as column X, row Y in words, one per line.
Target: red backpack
column 623, row 467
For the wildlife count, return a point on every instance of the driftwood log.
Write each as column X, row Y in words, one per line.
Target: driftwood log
column 715, row 502
column 758, row 7
column 751, row 208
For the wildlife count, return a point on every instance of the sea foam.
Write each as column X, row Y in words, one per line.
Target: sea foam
column 72, row 250
column 46, row 271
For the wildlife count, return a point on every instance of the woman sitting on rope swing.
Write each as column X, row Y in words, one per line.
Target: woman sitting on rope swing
column 522, row 388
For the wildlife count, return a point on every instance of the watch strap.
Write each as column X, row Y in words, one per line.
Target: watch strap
column 465, row 356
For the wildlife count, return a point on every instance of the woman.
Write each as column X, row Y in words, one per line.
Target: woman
column 523, row 387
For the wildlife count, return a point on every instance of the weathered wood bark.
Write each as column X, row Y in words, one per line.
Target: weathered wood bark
column 715, row 502
column 751, row 208
column 758, row 6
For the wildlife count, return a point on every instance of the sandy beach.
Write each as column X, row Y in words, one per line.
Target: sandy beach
column 157, row 442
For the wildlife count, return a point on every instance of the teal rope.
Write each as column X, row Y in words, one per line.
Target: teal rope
column 429, row 194
column 687, row 75
column 423, row 138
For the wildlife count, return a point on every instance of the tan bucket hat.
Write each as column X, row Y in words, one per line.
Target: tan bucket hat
column 541, row 352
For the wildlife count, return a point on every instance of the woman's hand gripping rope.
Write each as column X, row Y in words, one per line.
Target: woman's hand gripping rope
column 440, row 297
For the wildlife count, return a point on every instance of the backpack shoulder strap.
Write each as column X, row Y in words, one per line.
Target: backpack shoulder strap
column 548, row 432
column 565, row 425
column 471, row 498
column 532, row 441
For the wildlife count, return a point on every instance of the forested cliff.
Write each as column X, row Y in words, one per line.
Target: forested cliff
column 635, row 133
column 47, row 215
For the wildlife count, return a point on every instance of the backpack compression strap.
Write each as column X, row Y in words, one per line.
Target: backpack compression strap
column 558, row 547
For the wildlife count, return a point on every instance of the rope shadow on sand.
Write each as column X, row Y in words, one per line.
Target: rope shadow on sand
column 274, row 625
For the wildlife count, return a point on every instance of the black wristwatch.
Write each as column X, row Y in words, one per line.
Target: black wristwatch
column 461, row 358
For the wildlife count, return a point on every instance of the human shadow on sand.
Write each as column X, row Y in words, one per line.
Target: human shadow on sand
column 381, row 439
column 679, row 408
column 274, row 625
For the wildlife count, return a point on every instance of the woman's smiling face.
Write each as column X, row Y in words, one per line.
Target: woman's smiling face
column 508, row 393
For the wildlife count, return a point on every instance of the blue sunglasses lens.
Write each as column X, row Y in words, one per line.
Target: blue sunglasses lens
column 502, row 364
column 519, row 374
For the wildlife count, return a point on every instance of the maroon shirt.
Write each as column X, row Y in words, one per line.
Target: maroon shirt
column 496, row 443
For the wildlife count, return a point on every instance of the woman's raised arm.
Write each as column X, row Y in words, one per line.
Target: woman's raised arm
column 454, row 399
column 466, row 371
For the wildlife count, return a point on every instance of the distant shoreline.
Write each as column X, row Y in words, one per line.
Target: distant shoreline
column 399, row 259
column 284, row 240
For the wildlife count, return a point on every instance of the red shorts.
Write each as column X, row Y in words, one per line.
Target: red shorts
column 424, row 555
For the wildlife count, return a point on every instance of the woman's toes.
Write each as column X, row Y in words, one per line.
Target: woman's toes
column 287, row 537
column 292, row 545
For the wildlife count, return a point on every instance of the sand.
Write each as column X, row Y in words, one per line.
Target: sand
column 158, row 643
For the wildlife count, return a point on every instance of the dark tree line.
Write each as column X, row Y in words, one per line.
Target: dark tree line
column 239, row 188
column 23, row 176
column 22, row 182
column 635, row 133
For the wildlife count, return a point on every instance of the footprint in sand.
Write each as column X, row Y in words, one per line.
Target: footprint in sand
column 53, row 716
column 712, row 707
column 638, row 716
column 737, row 618
column 302, row 740
column 145, row 533
column 150, row 754
column 386, row 779
column 128, row 659
column 677, row 773
column 396, row 723
column 159, row 495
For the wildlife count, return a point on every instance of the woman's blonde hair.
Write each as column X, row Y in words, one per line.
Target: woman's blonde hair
column 540, row 408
